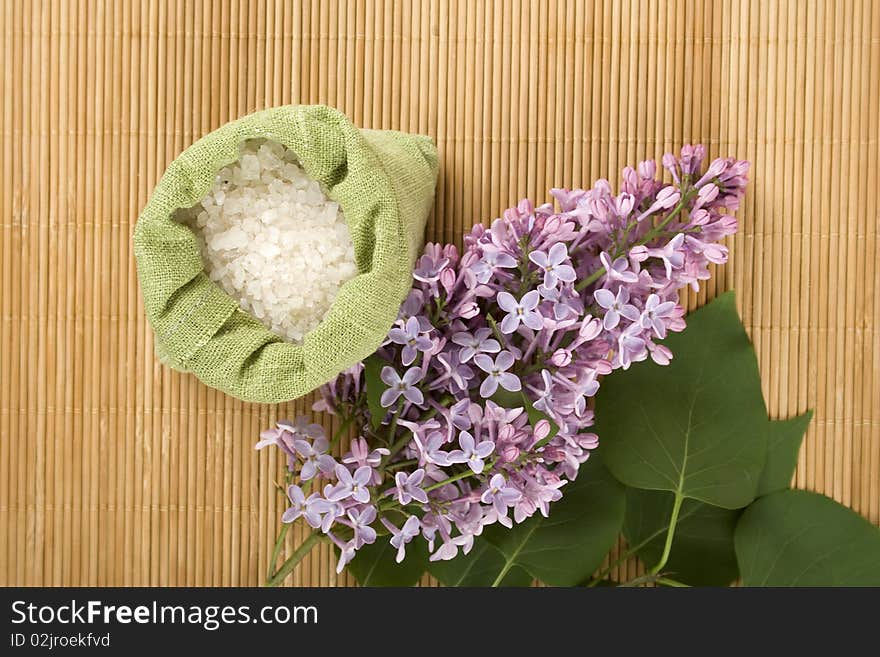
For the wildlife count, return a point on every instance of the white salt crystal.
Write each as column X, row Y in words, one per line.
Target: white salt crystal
column 272, row 239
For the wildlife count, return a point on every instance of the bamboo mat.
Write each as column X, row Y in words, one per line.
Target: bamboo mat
column 116, row 471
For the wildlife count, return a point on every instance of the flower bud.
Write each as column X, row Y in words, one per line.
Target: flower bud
column 447, row 280
column 639, row 253
column 561, row 357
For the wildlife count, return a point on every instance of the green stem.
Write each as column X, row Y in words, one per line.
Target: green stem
column 670, row 534
column 460, row 475
column 281, row 536
column 287, row 567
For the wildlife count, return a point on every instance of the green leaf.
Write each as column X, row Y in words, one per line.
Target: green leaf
column 783, row 444
column 565, row 549
column 374, row 564
column 479, row 567
column 375, row 387
column 702, row 547
column 798, row 538
column 697, row 426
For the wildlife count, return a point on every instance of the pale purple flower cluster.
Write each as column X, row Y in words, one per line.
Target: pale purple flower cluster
column 486, row 376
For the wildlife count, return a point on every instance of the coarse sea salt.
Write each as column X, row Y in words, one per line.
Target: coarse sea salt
column 272, row 239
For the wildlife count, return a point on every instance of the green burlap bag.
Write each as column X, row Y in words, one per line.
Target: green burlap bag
column 384, row 182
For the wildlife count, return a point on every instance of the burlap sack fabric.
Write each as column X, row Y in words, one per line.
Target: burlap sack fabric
column 383, row 180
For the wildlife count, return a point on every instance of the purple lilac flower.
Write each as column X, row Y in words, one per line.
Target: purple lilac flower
column 498, row 373
column 408, row 487
column 400, row 537
column 314, row 456
column 471, row 452
column 460, row 460
column 616, row 306
column 311, row 507
column 410, row 336
column 360, row 522
column 401, row 385
column 523, row 311
column 429, row 268
column 492, row 259
column 654, row 314
column 351, row 485
column 431, row 449
column 478, row 342
column 500, row 495
column 553, row 265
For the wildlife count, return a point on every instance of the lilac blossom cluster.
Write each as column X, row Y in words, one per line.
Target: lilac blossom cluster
column 485, row 380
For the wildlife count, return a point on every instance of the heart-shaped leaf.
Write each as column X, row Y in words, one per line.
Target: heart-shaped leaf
column 783, row 444
column 702, row 547
column 375, row 565
column 798, row 538
column 695, row 427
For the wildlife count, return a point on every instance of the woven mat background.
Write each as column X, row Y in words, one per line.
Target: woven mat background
column 117, row 471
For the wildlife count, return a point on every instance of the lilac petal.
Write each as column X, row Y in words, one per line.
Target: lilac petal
column 361, row 495
column 558, row 253
column 408, row 355
column 489, row 386
column 491, row 346
column 295, row 494
column 397, row 336
column 506, row 302
column 565, row 273
column 664, row 308
column 412, row 376
column 530, row 300
column 509, row 324
column 309, row 470
column 476, row 465
column 484, row 362
column 485, row 448
column 367, row 535
column 412, row 327
column 510, row 382
column 466, row 440
column 630, row 312
column 612, row 319
column 604, row 298
column 539, row 258
column 326, row 463
column 505, row 261
column 414, row 395
column 423, row 343
column 463, row 339
column 389, row 397
column 389, row 376
column 362, row 475
column 303, row 448
column 419, row 495
column 533, row 320
column 457, row 456
column 504, row 360
column 465, row 354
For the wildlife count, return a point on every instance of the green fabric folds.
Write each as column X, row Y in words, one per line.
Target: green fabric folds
column 383, row 180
